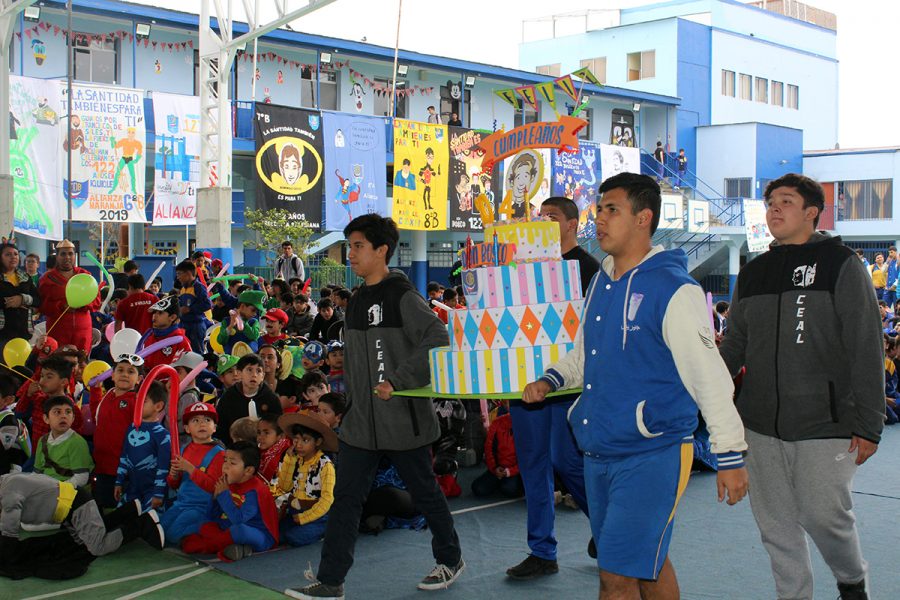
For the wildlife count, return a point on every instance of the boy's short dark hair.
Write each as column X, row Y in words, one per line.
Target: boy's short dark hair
column 287, row 297
column 249, row 360
column 49, row 403
column 280, row 284
column 310, row 379
column 406, row 161
column 119, row 294
column 324, row 292
column 136, row 281
column 450, row 294
column 33, row 255
column 294, row 280
column 722, row 306
column 337, row 402
column 808, row 188
column 59, row 365
column 566, row 205
column 433, row 286
column 241, row 288
column 271, row 420
column 186, row 266
column 248, row 451
column 9, row 384
column 129, row 265
column 158, row 393
column 286, row 244
column 894, row 248
column 642, row 191
column 325, row 303
column 344, row 294
column 297, row 429
column 379, row 231
column 301, row 298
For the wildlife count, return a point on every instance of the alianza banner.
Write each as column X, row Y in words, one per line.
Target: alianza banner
column 289, row 163
column 355, row 182
column 575, row 176
column 420, row 175
column 34, row 161
column 177, row 159
column 466, row 181
column 106, row 138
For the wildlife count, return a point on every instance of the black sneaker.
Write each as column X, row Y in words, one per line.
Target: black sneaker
column 151, row 531
column 234, row 552
column 592, row 549
column 532, row 567
column 317, row 591
column 853, row 591
column 442, row 576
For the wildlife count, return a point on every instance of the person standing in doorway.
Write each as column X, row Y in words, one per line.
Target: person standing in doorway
column 682, row 168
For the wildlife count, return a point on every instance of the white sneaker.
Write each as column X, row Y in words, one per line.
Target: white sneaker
column 442, row 576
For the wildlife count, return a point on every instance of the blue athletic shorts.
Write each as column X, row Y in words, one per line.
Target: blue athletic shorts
column 631, row 503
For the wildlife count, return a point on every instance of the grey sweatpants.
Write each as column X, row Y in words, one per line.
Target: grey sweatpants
column 799, row 488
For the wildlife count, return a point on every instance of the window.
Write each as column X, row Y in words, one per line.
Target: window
column 597, row 67
column 641, row 65
column 383, row 101
column 525, row 114
column 793, row 97
column 441, row 254
column 777, row 93
column 727, row 83
column 762, row 90
column 95, row 59
column 553, row 69
column 329, row 90
column 746, row 90
column 588, row 115
column 865, row 200
column 739, row 187
column 307, row 88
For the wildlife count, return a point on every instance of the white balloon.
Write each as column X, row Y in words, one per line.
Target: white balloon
column 125, row 341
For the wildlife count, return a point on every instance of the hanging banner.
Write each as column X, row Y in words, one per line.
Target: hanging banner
column 107, row 136
column 566, row 84
column 526, row 183
column 561, row 135
column 575, row 176
column 289, row 163
column 546, row 91
column 585, row 75
column 33, row 158
column 420, row 175
column 466, row 181
column 617, row 159
column 177, row 159
column 509, row 96
column 355, row 180
column 527, row 92
column 757, row 229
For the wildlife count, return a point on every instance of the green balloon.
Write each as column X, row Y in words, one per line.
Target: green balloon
column 81, row 290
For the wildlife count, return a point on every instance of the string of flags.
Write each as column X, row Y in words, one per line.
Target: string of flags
column 383, row 89
column 44, row 28
column 547, row 92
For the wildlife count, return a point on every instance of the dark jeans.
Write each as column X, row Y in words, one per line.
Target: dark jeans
column 355, row 471
column 488, row 483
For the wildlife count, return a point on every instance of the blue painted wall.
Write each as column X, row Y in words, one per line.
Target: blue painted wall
column 694, row 50
column 775, row 144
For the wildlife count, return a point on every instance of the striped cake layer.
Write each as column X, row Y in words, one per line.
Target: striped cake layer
column 490, row 371
column 522, row 284
column 515, row 326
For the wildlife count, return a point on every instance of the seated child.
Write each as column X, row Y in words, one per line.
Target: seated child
column 323, row 321
column 311, row 387
column 235, row 401
column 113, row 414
column 63, row 454
column 243, row 518
column 243, row 324
column 15, row 444
column 274, row 320
column 146, row 455
column 194, row 474
column 332, row 407
column 300, row 319
column 164, row 320
column 190, row 396
column 243, row 430
column 451, row 416
column 500, row 457
column 35, row 502
column 314, row 357
column 304, row 485
column 226, row 369
column 53, row 379
column 272, row 445
column 389, row 504
column 335, row 362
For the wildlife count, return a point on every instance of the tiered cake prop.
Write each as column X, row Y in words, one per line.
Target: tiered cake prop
column 524, row 307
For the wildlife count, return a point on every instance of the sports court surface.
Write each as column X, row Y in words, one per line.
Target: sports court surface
column 715, row 549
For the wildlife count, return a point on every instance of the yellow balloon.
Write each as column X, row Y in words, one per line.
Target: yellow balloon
column 214, row 340
column 16, row 352
column 92, row 369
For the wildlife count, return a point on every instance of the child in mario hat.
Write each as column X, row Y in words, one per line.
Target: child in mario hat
column 194, row 473
column 274, row 321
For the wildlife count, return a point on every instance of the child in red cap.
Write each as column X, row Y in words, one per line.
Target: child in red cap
column 194, row 474
column 274, row 321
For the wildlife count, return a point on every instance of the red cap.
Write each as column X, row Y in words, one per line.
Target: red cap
column 200, row 409
column 276, row 314
column 50, row 346
column 207, row 254
column 216, row 265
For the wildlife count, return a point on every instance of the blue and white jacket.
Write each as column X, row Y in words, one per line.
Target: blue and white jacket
column 646, row 357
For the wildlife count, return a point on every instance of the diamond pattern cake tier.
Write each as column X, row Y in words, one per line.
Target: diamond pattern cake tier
column 522, row 284
column 514, row 326
column 490, row 371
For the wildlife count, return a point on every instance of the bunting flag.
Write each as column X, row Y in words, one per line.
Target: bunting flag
column 546, row 91
column 567, row 85
column 509, row 96
column 527, row 92
column 585, row 75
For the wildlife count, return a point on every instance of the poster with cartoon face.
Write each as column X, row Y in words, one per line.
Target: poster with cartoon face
column 466, row 181
column 289, row 164
column 622, row 128
column 526, row 183
column 421, row 160
column 576, row 176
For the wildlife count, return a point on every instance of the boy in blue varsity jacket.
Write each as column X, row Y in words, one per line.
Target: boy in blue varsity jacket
column 146, row 452
column 193, row 302
column 646, row 357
